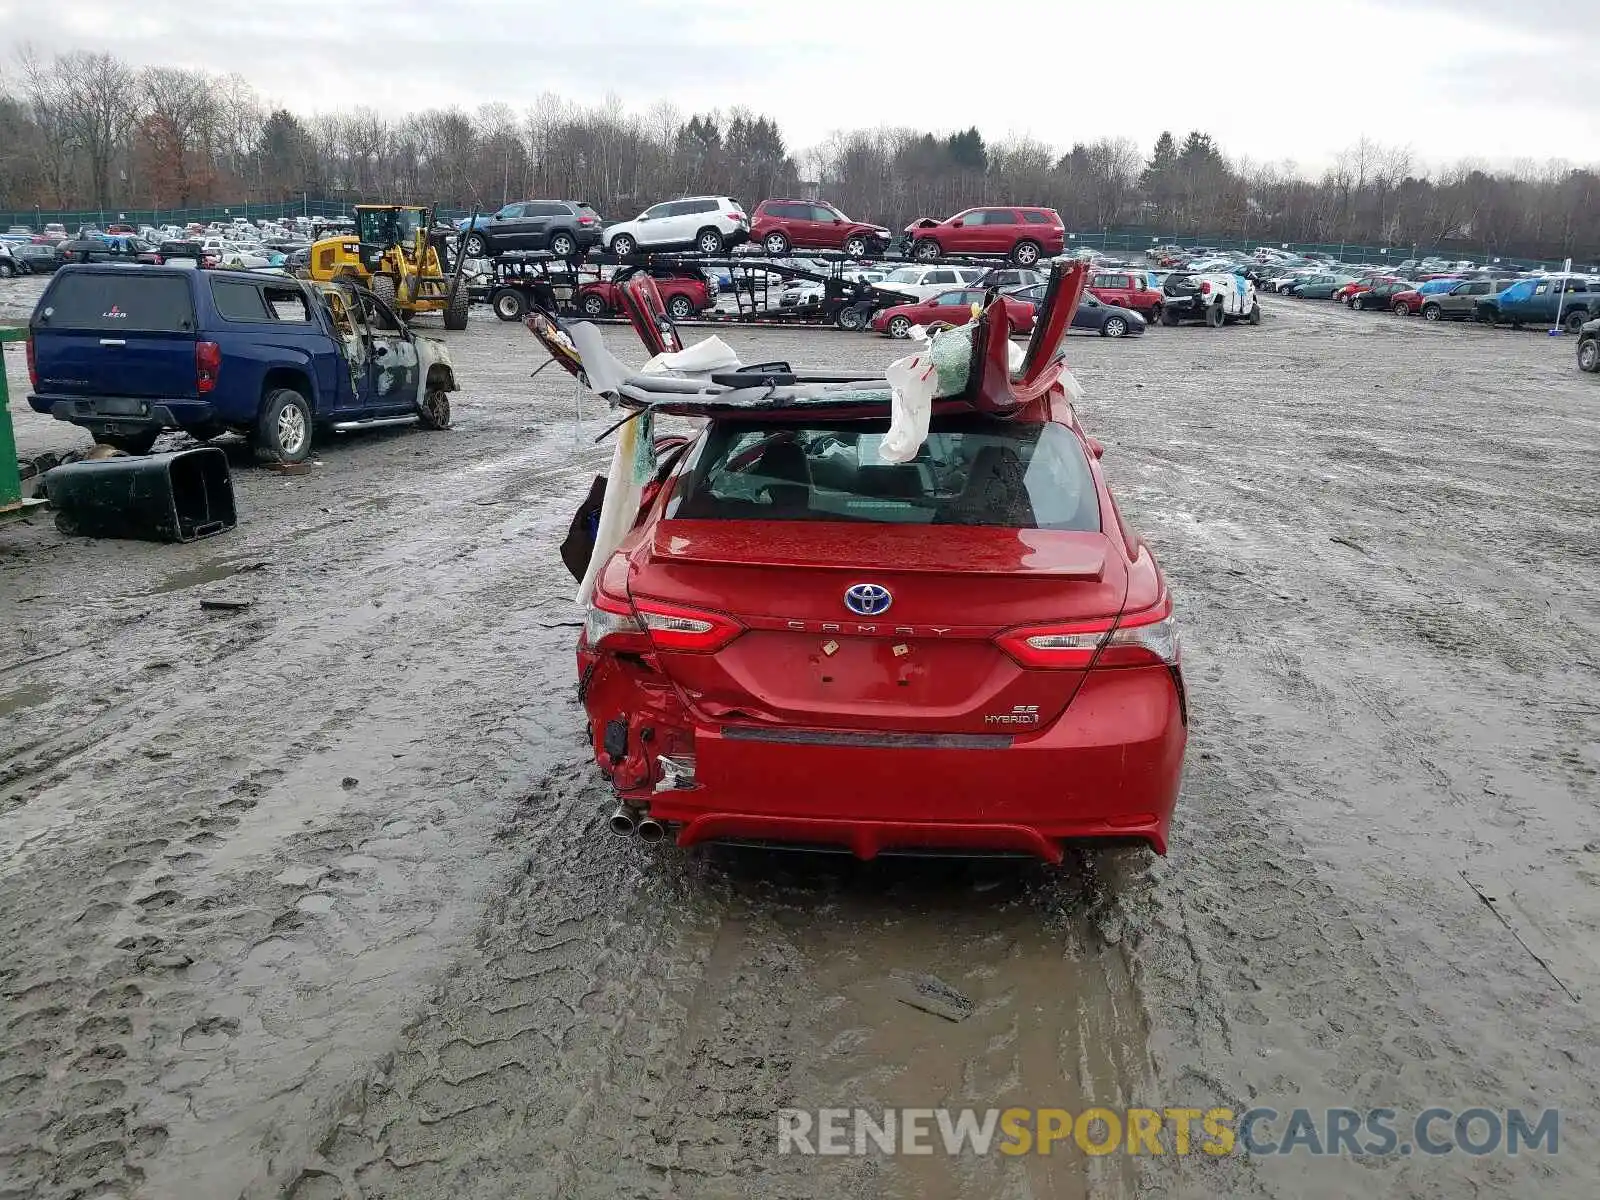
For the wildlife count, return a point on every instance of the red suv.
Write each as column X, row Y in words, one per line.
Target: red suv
column 782, row 225
column 1025, row 235
column 683, row 290
column 1127, row 289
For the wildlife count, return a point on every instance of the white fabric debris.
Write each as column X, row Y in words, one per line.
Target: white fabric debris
column 912, row 382
column 623, row 493
column 710, row 354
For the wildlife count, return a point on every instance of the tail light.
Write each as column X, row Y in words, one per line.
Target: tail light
column 207, row 366
column 33, row 365
column 736, row 216
column 1205, row 287
column 610, row 618
column 675, row 627
column 1145, row 638
column 617, row 623
column 585, row 220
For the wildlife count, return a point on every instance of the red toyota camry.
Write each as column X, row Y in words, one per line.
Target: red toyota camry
column 801, row 642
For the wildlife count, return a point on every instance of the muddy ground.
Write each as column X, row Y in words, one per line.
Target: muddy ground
column 315, row 898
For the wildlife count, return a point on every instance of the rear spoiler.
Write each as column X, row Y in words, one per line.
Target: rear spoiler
column 991, row 388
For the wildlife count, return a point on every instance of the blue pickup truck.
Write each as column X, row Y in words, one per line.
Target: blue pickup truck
column 127, row 352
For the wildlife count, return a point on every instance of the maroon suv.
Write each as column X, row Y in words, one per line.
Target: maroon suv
column 781, row 225
column 1025, row 235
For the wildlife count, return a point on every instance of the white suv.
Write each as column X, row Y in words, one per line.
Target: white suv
column 709, row 224
column 924, row 283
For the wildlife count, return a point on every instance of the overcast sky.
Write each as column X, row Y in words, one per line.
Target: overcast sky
column 1493, row 80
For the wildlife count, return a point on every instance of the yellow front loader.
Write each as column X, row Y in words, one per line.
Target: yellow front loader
column 391, row 252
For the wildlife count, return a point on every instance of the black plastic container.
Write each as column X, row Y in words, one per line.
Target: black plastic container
column 175, row 497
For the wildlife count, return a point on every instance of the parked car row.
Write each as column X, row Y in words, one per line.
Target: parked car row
column 778, row 226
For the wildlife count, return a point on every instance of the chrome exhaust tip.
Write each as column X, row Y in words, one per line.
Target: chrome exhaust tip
column 622, row 822
column 651, row 830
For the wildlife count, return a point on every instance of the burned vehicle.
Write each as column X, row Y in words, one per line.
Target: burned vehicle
column 129, row 354
column 878, row 613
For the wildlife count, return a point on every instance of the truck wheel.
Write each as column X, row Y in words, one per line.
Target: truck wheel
column 1255, row 314
column 508, row 304
column 1025, row 253
column 850, row 317
column 130, row 443
column 1589, row 355
column 434, row 412
column 455, row 317
column 925, row 250
column 383, row 288
column 1214, row 315
column 1573, row 321
column 283, row 429
column 1168, row 317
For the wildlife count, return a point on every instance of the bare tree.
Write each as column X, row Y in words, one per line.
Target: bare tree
column 98, row 105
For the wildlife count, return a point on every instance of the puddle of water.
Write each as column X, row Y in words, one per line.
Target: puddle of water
column 27, row 696
column 209, row 572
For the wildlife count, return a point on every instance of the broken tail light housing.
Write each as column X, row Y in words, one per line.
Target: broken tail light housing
column 1141, row 639
column 207, row 366
column 33, row 364
column 1205, row 287
column 610, row 622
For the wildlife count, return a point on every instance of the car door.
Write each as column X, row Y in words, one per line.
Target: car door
column 505, row 227
column 1000, row 231
column 954, row 307
column 826, row 227
column 538, row 222
column 390, row 356
column 656, row 223
column 350, row 329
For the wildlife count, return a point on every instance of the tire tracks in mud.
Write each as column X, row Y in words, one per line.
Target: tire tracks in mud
column 640, row 1041
column 222, row 879
column 1364, row 714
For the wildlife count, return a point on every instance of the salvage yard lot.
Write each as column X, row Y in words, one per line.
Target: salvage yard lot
column 318, row 895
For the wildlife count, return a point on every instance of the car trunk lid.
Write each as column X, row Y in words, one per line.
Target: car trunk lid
column 925, row 661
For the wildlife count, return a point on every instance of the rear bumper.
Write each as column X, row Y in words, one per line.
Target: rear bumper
column 126, row 414
column 1109, row 768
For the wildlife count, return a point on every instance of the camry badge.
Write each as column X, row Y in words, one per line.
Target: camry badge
column 867, row 599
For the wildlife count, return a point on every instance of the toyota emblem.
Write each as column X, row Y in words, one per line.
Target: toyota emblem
column 867, row 599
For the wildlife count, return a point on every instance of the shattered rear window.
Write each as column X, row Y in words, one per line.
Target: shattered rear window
column 969, row 472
